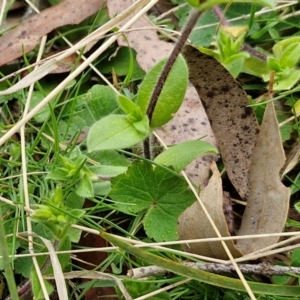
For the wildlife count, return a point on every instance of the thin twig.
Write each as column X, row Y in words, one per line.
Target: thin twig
column 259, row 269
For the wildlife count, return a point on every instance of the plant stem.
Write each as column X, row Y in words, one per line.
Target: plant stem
column 167, row 68
column 9, row 275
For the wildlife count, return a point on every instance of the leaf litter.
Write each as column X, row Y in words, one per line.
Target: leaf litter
column 194, row 224
column 260, row 157
column 26, row 36
column 233, row 122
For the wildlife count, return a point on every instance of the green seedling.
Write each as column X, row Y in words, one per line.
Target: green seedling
column 56, row 216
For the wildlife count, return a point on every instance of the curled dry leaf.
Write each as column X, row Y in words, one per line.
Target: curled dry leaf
column 233, row 123
column 190, row 122
column 193, row 223
column 26, row 36
column 292, row 159
column 268, row 204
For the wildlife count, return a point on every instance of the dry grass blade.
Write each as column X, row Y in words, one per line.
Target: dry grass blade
column 57, row 271
column 95, row 275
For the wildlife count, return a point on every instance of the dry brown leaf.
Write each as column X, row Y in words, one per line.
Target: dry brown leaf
column 193, row 223
column 267, row 207
column 234, row 124
column 292, row 159
column 26, row 36
column 190, row 122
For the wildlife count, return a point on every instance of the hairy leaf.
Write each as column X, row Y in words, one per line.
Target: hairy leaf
column 171, row 95
column 180, row 155
column 114, row 132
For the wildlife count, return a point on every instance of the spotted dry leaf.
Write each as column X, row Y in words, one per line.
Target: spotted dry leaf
column 190, row 122
column 233, row 122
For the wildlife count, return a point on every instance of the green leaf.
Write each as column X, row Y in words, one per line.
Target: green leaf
column 142, row 125
column 114, row 132
column 102, row 188
column 57, row 175
column 211, row 3
column 287, row 82
column 235, row 64
column 36, row 287
column 74, row 201
column 139, row 288
column 100, row 101
column 108, row 171
column 255, row 66
column 295, row 258
column 160, row 194
column 85, row 187
column 182, row 154
column 279, row 47
column 290, row 55
column 120, row 64
column 172, row 93
column 273, row 64
column 199, row 275
column 44, row 113
column 130, row 108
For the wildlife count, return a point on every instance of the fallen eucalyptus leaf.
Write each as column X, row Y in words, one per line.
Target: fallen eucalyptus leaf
column 193, row 223
column 26, row 36
column 233, row 123
column 267, row 207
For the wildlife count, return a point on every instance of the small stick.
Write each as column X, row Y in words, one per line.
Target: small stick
column 259, row 269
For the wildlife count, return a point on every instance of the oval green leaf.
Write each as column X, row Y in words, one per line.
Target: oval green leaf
column 114, row 132
column 171, row 95
column 180, row 155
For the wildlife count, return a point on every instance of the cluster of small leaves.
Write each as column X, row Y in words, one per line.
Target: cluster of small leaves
column 228, row 50
column 124, row 131
column 56, row 216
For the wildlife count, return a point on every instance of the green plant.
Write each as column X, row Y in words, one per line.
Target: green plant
column 130, row 194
